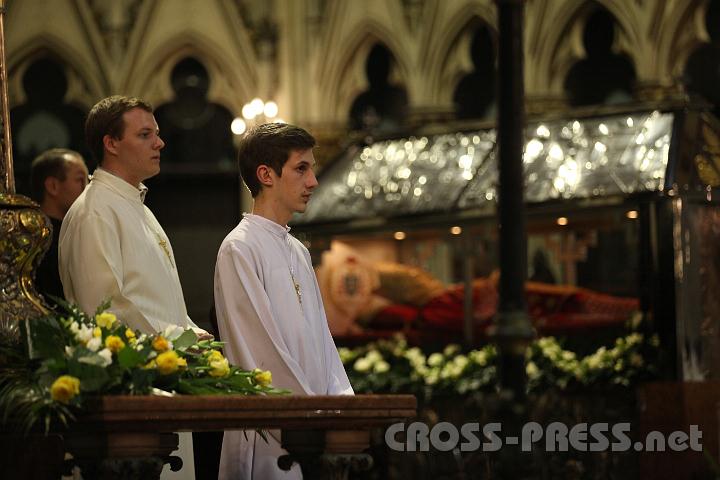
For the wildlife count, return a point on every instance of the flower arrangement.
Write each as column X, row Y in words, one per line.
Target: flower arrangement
column 64, row 358
column 391, row 366
column 622, row 365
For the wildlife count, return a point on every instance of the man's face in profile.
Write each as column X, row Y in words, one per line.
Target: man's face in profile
column 139, row 148
column 294, row 187
column 76, row 178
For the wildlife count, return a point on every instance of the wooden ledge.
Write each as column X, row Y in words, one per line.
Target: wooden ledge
column 120, row 413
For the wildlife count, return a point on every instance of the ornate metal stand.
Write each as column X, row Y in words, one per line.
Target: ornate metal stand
column 25, row 233
column 25, row 236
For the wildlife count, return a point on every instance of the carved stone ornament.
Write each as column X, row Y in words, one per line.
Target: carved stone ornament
column 116, row 21
column 25, row 236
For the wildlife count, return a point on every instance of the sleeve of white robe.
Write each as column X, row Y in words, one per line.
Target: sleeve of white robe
column 338, row 383
column 246, row 322
column 90, row 261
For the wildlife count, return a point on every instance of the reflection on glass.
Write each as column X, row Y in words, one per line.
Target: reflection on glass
column 563, row 159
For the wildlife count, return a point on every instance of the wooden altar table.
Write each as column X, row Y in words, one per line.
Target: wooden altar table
column 132, row 436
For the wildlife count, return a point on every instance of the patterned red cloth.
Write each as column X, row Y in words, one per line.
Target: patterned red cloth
column 551, row 308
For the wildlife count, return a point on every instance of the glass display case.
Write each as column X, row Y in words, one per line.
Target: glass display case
column 621, row 220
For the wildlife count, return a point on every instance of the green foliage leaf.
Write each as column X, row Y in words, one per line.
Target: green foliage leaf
column 92, row 377
column 128, row 357
column 141, row 381
column 102, row 307
column 187, row 339
column 47, row 337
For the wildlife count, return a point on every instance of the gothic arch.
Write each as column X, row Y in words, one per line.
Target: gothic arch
column 448, row 58
column 676, row 42
column 345, row 79
column 86, row 83
column 559, row 48
column 231, row 84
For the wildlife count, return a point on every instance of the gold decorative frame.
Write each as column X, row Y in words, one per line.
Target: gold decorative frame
column 25, row 232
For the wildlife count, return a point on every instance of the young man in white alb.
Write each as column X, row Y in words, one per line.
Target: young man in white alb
column 269, row 309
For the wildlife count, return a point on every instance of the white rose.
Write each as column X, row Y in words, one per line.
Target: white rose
column 84, row 334
column 421, row 370
column 94, row 343
column 414, row 354
column 373, row 356
column 362, row 365
column 435, row 360
column 593, row 361
column 381, row 367
column 479, row 357
column 451, row 349
column 461, row 361
column 106, row 355
column 345, row 354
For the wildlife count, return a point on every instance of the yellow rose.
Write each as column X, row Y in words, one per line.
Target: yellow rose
column 97, row 333
column 215, row 356
column 130, row 335
column 65, row 388
column 182, row 363
column 167, row 362
column 105, row 319
column 114, row 343
column 160, row 344
column 219, row 368
column 263, row 378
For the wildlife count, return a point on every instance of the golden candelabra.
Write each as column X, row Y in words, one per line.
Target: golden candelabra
column 25, row 232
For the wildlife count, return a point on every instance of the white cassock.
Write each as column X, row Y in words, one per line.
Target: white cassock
column 265, row 323
column 112, row 246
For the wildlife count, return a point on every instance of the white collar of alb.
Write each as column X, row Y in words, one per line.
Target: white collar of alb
column 267, row 224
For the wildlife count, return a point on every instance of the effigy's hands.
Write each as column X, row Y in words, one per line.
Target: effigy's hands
column 203, row 335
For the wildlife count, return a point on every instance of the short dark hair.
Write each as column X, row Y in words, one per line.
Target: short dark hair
column 269, row 144
column 50, row 163
column 105, row 118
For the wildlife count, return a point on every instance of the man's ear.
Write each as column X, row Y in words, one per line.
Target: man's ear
column 52, row 186
column 264, row 175
column 110, row 144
